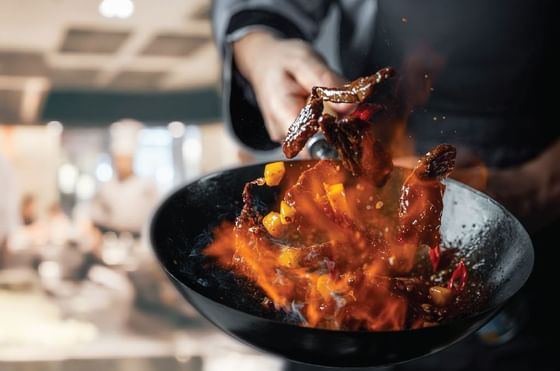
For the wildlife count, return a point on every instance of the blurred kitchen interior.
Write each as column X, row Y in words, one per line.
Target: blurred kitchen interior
column 79, row 290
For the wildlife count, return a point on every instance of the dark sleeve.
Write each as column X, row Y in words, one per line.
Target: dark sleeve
column 231, row 20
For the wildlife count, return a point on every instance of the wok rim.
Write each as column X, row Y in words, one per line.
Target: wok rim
column 487, row 311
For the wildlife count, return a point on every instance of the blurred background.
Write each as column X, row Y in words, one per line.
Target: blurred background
column 105, row 106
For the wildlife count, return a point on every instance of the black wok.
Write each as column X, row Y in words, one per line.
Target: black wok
column 181, row 228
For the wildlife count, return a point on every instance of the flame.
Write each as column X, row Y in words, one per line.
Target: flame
column 333, row 262
column 333, row 266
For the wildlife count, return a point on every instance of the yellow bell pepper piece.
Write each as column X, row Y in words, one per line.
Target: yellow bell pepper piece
column 272, row 224
column 273, row 173
column 288, row 258
column 323, row 286
column 337, row 198
column 287, row 213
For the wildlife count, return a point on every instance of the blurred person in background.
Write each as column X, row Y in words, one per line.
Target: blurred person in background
column 52, row 229
column 124, row 203
column 9, row 206
column 473, row 73
column 28, row 209
column 37, row 237
column 57, row 223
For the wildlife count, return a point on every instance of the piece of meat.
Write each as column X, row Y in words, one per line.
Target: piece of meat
column 356, row 91
column 303, row 128
column 356, row 145
column 249, row 216
column 421, row 200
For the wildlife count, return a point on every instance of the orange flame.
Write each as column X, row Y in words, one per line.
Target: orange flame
column 332, row 266
column 334, row 261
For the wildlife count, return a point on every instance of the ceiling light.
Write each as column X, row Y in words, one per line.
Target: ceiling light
column 116, row 8
column 67, row 178
column 85, row 187
column 104, row 172
column 55, row 127
column 176, row 128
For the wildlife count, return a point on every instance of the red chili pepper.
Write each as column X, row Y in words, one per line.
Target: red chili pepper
column 434, row 256
column 459, row 273
column 365, row 111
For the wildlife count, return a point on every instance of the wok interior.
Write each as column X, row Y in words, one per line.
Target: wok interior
column 493, row 242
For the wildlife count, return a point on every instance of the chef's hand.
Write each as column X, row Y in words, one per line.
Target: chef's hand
column 282, row 73
column 531, row 191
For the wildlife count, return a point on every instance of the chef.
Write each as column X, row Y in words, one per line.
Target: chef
column 9, row 205
column 124, row 203
column 477, row 74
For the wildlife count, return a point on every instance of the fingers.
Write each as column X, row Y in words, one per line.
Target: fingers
column 341, row 108
column 281, row 106
column 286, row 72
column 309, row 69
column 281, row 115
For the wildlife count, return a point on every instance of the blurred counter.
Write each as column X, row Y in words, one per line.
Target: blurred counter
column 97, row 323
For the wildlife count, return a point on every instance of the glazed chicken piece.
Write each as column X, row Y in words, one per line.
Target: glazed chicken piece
column 361, row 153
column 421, row 201
column 250, row 215
column 358, row 149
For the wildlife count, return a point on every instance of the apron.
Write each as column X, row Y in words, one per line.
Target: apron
column 473, row 72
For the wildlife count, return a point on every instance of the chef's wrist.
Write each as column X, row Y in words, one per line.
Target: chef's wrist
column 246, row 51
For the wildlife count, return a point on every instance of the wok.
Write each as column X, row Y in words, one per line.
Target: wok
column 489, row 236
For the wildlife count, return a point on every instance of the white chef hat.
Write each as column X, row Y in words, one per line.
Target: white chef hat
column 124, row 136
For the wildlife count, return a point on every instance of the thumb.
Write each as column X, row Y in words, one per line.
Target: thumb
column 312, row 72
